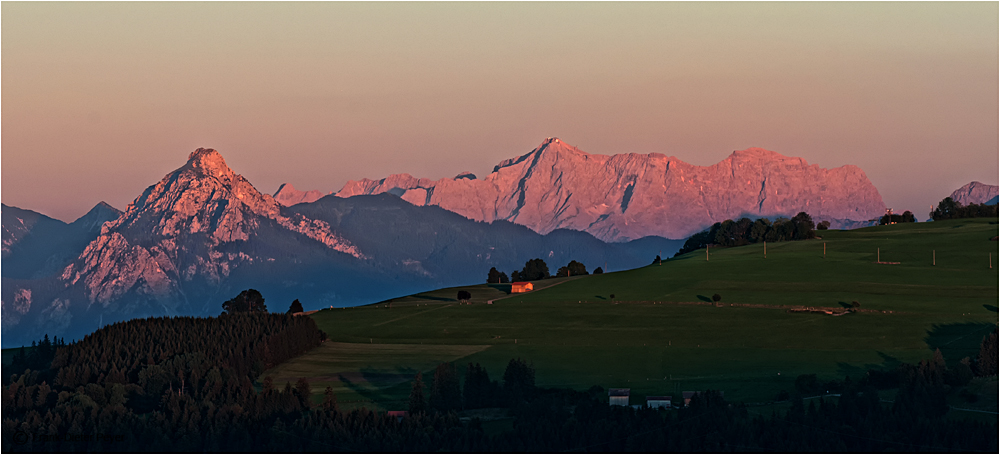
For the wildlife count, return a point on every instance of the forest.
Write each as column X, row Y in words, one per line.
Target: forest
column 187, row 385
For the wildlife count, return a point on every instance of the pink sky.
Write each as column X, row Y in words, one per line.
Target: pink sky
column 100, row 100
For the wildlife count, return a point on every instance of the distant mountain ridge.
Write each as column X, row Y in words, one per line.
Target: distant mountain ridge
column 976, row 193
column 288, row 196
column 203, row 233
column 35, row 245
column 628, row 196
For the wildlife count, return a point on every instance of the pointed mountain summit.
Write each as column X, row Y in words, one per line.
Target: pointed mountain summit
column 629, row 196
column 189, row 227
column 96, row 217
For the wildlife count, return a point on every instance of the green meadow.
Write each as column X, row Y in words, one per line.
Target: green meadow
column 661, row 334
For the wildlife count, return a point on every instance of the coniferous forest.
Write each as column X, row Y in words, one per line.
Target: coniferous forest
column 188, row 385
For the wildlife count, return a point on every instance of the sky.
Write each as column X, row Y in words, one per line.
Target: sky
column 101, row 100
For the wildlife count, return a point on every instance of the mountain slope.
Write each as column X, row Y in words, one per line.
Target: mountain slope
column 975, row 193
column 37, row 246
column 628, row 196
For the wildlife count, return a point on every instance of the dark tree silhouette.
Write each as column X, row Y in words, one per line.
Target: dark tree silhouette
column 519, row 381
column 417, row 403
column 535, row 269
column 493, row 276
column 249, row 300
column 503, row 278
column 296, row 307
column 464, row 296
column 716, row 298
column 986, row 361
column 446, row 394
column 598, row 271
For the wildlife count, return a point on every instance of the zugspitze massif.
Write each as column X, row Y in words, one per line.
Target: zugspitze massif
column 629, row 196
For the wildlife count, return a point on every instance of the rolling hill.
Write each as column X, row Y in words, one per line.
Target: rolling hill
column 660, row 334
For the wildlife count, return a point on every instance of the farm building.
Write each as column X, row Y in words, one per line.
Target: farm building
column 521, row 286
column 658, row 402
column 689, row 395
column 618, row 397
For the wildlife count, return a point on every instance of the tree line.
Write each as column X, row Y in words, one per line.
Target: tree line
column 746, row 231
column 537, row 269
column 949, row 209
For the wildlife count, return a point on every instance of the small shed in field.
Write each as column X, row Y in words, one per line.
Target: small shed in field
column 618, row 397
column 518, row 287
column 658, row 402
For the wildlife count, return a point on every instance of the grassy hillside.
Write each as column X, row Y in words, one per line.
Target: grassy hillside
column 661, row 335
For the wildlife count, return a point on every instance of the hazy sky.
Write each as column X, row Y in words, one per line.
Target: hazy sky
column 100, row 100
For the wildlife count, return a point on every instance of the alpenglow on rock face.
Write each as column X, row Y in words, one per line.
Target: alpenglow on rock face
column 975, row 193
column 288, row 196
column 629, row 196
column 186, row 227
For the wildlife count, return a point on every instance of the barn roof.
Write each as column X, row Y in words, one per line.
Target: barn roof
column 657, row 398
column 619, row 392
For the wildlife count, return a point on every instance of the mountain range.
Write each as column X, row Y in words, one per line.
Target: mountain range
column 628, row 196
column 203, row 233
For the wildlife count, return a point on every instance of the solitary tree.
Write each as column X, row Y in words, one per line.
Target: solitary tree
column 296, row 307
column 249, row 300
column 657, row 260
column 716, row 298
column 598, row 271
column 823, row 225
column 464, row 296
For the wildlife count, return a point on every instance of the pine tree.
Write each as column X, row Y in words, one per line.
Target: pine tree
column 986, row 361
column 296, row 307
column 417, row 403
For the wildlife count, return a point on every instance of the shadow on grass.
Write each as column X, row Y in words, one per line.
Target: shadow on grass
column 431, row 297
column 600, row 297
column 502, row 287
column 992, row 308
column 957, row 341
column 704, row 299
column 845, row 304
column 856, row 371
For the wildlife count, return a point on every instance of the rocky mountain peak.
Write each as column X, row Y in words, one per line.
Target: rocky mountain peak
column 628, row 196
column 201, row 207
column 210, row 162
